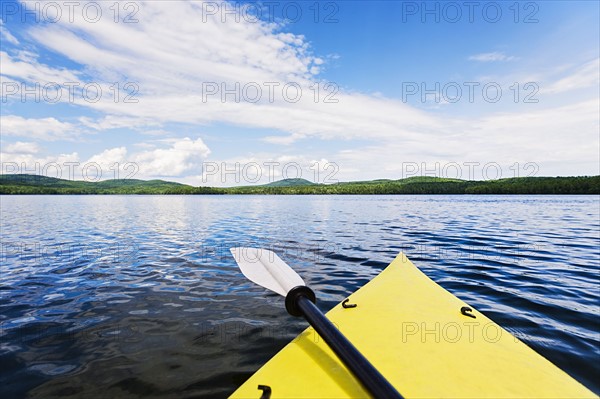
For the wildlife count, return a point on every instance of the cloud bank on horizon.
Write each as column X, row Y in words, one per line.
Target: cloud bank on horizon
column 181, row 88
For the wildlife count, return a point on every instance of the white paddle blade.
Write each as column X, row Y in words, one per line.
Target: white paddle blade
column 266, row 269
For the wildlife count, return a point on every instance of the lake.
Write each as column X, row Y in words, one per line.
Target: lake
column 138, row 296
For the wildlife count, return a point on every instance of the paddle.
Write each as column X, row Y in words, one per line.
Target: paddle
column 266, row 269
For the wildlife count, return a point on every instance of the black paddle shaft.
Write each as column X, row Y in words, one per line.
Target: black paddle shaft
column 363, row 370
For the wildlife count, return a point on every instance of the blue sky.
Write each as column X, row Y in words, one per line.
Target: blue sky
column 530, row 68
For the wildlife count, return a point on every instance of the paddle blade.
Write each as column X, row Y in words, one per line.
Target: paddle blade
column 266, row 269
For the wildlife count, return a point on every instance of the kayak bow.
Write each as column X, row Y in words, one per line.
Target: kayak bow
column 424, row 340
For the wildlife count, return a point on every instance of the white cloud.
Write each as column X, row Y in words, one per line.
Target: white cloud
column 182, row 157
column 491, row 57
column 116, row 122
column 24, row 65
column 22, row 148
column 27, row 157
column 203, row 48
column 6, row 35
column 109, row 157
column 284, row 140
column 179, row 157
column 586, row 75
column 48, row 129
column 559, row 140
column 176, row 66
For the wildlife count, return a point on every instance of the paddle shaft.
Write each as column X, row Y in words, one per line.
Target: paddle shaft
column 362, row 369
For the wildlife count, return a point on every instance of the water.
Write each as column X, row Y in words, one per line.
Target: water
column 118, row 296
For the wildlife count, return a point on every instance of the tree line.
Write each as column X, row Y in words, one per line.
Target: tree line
column 523, row 185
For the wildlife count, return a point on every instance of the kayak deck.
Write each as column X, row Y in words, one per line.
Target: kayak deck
column 415, row 333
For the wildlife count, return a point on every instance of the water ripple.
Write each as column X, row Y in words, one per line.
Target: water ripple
column 139, row 296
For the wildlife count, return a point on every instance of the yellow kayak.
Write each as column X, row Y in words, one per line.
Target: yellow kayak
column 426, row 342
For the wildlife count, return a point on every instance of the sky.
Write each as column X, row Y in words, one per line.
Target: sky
column 233, row 93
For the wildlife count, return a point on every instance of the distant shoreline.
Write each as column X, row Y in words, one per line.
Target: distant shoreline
column 23, row 184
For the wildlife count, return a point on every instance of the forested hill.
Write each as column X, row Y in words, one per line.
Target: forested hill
column 33, row 184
